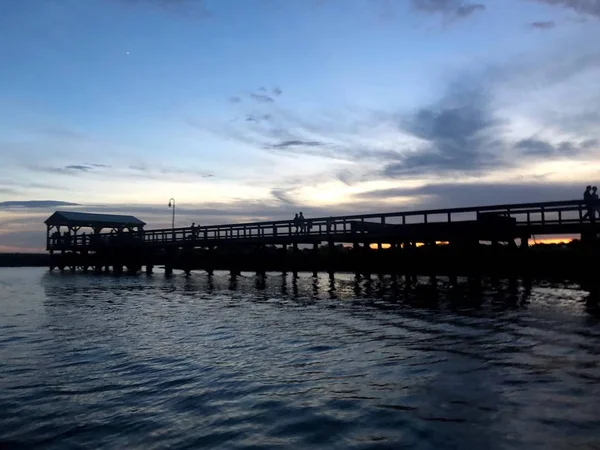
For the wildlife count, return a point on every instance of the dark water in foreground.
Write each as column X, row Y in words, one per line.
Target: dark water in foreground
column 204, row 362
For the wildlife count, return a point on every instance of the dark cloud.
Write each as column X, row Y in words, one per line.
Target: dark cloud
column 261, row 98
column 346, row 176
column 468, row 9
column 141, row 171
column 235, row 99
column 538, row 147
column 72, row 169
column 460, row 134
column 283, row 195
column 286, row 144
column 547, row 25
column 78, row 167
column 258, row 117
column 35, row 204
column 449, row 195
column 456, row 9
column 587, row 7
column 535, row 147
column 277, row 91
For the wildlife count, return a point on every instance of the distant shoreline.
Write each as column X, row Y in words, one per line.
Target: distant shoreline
column 24, row 260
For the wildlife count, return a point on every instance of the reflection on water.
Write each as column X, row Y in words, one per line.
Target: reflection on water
column 264, row 361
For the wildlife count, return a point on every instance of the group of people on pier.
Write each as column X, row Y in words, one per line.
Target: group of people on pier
column 590, row 196
column 300, row 223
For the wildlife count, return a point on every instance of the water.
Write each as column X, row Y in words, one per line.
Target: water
column 207, row 362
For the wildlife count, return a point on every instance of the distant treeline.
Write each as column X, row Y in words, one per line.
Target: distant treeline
column 24, row 259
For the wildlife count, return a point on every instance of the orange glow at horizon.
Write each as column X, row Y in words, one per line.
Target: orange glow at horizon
column 558, row 240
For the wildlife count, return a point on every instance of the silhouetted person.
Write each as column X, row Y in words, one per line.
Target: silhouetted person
column 302, row 222
column 595, row 204
column 589, row 203
column 194, row 230
column 297, row 222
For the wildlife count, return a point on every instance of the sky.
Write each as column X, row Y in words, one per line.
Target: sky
column 245, row 110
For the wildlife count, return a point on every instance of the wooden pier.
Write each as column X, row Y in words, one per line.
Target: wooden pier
column 121, row 242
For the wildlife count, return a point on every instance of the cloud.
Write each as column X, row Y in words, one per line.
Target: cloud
column 36, row 204
column 586, row 7
column 261, row 98
column 538, row 147
column 455, row 9
column 258, row 117
column 261, row 95
column 141, row 171
column 283, row 195
column 481, row 124
column 78, row 167
column 455, row 195
column 547, row 25
column 459, row 134
column 72, row 169
column 287, row 144
column 160, row 171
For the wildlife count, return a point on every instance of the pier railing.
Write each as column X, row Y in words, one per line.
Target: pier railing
column 527, row 216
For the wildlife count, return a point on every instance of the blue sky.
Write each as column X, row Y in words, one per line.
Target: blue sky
column 255, row 109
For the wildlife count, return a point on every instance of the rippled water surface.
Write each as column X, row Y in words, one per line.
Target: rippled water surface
column 215, row 362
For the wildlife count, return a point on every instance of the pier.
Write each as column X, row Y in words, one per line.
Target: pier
column 441, row 240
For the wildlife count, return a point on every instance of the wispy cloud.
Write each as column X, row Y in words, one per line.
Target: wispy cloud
column 543, row 148
column 147, row 171
column 454, row 9
column 261, row 98
column 35, row 204
column 283, row 195
column 72, row 169
column 587, row 7
column 444, row 195
column 287, row 144
column 78, row 167
column 260, row 95
column 546, row 25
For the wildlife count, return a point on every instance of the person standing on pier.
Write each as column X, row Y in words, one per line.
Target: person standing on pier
column 595, row 205
column 302, row 223
column 590, row 203
column 296, row 223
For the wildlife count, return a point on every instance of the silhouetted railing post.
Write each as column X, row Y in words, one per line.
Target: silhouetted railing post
column 543, row 216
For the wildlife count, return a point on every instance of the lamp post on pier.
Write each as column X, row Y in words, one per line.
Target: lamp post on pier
column 172, row 205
